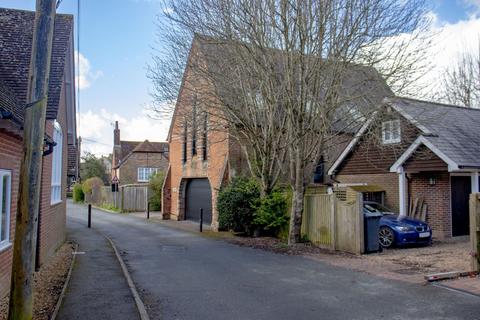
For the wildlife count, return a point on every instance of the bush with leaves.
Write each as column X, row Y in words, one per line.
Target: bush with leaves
column 92, row 189
column 236, row 205
column 155, row 184
column 78, row 195
column 271, row 213
column 93, row 166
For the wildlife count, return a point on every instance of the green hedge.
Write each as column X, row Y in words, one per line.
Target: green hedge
column 271, row 213
column 236, row 205
column 78, row 195
column 155, row 184
column 242, row 209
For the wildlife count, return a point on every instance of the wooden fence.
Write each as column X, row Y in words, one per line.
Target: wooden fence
column 129, row 198
column 334, row 224
column 133, row 198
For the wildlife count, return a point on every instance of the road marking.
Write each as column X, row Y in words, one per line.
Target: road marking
column 78, row 252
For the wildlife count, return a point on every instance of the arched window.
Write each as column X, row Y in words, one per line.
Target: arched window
column 57, row 161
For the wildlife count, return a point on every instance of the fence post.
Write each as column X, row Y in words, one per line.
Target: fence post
column 148, row 210
column 475, row 230
column 89, row 215
column 201, row 219
column 361, row 231
column 333, row 221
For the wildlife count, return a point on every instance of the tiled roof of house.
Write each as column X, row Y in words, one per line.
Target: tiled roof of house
column 126, row 147
column 453, row 130
column 9, row 103
column 16, row 32
column 362, row 85
column 147, row 146
column 129, row 147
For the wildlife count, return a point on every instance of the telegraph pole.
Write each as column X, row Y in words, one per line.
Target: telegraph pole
column 21, row 291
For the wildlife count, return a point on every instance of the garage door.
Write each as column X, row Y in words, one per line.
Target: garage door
column 198, row 195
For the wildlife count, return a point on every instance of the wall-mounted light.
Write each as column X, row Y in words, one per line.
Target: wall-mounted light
column 432, row 181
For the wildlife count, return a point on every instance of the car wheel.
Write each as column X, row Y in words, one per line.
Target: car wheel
column 386, row 237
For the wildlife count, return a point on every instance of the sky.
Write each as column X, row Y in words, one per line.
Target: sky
column 117, row 38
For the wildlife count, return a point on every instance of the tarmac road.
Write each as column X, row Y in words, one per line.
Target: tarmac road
column 182, row 275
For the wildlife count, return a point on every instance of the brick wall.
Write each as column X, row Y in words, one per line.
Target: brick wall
column 215, row 165
column 128, row 171
column 53, row 217
column 388, row 181
column 437, row 198
column 10, row 158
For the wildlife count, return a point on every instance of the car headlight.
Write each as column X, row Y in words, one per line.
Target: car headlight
column 404, row 228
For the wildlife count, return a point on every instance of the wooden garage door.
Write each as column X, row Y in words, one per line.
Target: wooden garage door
column 461, row 188
column 198, row 195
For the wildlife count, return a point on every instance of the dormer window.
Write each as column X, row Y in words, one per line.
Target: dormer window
column 391, row 132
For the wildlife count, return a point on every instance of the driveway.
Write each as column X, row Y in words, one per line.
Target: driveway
column 182, row 275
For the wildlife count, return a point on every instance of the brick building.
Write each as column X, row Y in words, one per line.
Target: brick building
column 16, row 30
column 204, row 154
column 135, row 161
column 418, row 150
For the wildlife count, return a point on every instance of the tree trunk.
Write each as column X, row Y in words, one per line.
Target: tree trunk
column 298, row 186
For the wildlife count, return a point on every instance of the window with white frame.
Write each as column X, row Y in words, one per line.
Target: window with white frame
column 5, row 194
column 391, row 132
column 144, row 174
column 56, row 191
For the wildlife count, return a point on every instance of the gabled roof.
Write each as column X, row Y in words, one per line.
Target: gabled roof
column 451, row 132
column 363, row 84
column 454, row 132
column 127, row 148
column 16, row 33
column 151, row 147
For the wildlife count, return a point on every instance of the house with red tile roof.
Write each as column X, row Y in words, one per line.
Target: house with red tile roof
column 16, row 32
column 135, row 161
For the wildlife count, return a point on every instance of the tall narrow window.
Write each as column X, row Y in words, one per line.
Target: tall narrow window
column 184, row 146
column 194, row 127
column 391, row 132
column 5, row 193
column 205, row 136
column 56, row 190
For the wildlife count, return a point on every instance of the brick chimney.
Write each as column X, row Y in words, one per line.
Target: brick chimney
column 116, row 145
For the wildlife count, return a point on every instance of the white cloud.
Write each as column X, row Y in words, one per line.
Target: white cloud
column 450, row 40
column 96, row 130
column 84, row 73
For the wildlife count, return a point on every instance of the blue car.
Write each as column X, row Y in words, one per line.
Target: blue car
column 399, row 231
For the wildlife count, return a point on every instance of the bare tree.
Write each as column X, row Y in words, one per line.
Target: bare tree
column 462, row 80
column 289, row 77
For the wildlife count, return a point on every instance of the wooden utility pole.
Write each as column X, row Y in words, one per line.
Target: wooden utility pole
column 21, row 291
